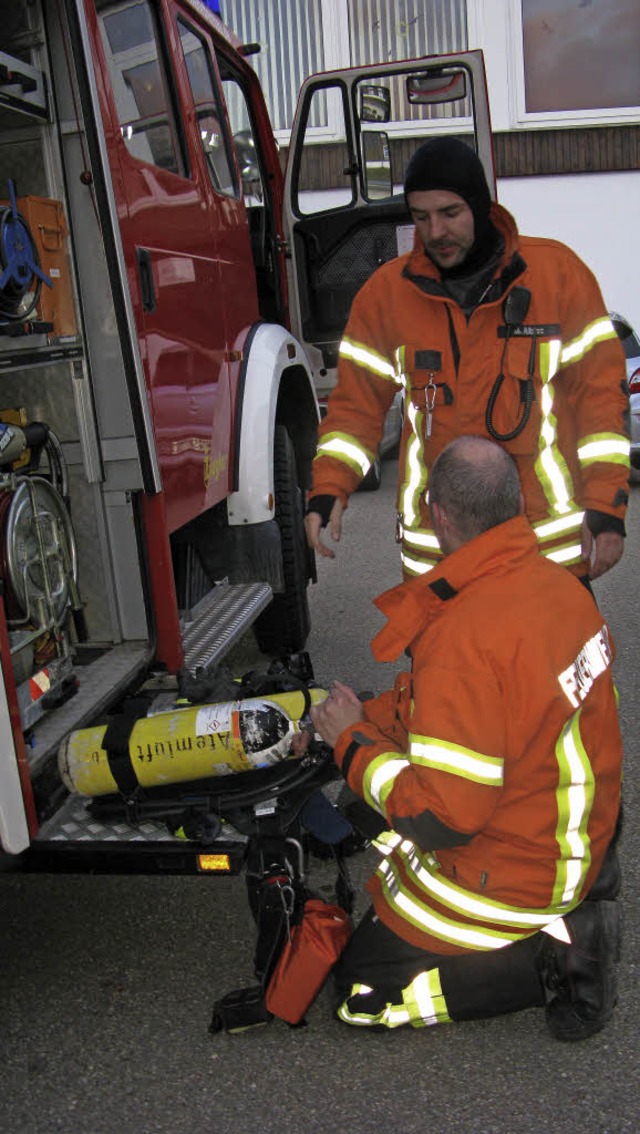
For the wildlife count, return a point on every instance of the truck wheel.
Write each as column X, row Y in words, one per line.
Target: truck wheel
column 284, row 626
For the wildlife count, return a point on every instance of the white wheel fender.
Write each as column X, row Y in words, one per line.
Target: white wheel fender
column 272, row 350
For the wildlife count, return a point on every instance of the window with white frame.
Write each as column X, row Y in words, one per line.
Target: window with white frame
column 319, row 35
column 579, row 60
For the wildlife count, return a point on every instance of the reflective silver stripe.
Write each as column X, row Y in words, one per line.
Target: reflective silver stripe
column 434, row 923
column 596, row 332
column 551, row 467
column 421, row 537
column 459, row 761
column 414, row 566
column 548, row 529
column 425, row 1001
column 379, row 778
column 571, row 554
column 367, row 358
column 416, row 473
column 575, row 800
column 423, row 1005
column 425, row 871
column 604, row 446
column 392, row 1016
column 343, row 450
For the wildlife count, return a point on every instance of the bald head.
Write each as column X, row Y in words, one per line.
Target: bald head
column 473, row 486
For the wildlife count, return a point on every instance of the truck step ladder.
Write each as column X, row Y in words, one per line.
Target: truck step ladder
column 219, row 620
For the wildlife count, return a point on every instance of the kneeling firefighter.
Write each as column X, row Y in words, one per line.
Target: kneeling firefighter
column 493, row 774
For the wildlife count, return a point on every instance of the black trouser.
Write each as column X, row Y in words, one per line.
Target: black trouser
column 466, row 986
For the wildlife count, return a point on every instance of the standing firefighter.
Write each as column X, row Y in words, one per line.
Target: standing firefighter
column 489, row 333
column 496, row 766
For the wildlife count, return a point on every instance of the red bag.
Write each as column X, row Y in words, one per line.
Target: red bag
column 307, row 959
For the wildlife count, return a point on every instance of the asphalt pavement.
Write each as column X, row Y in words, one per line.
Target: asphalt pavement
column 106, row 983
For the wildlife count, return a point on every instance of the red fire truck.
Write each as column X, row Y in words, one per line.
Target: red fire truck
column 167, row 320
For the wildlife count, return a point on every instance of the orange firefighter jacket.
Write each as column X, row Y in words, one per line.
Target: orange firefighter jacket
column 537, row 366
column 497, row 762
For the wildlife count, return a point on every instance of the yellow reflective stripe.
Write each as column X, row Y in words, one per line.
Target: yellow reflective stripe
column 454, row 758
column 604, row 447
column 391, row 1016
column 425, row 1001
column 379, row 778
column 421, row 537
column 575, row 800
column 367, row 358
column 549, row 529
column 383, row 842
column 423, row 1005
column 572, row 554
column 346, row 449
column 419, row 542
column 551, row 468
column 415, row 472
column 596, row 332
column 424, row 871
column 427, row 873
column 400, row 371
column 407, row 906
column 414, row 566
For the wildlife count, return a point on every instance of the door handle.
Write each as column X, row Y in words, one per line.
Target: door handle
column 145, row 271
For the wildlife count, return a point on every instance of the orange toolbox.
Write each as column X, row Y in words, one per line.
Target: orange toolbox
column 45, row 219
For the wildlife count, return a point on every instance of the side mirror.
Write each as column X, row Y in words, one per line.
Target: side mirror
column 375, row 104
column 436, row 86
column 376, row 165
column 247, row 157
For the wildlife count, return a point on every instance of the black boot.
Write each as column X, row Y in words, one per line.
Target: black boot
column 581, row 977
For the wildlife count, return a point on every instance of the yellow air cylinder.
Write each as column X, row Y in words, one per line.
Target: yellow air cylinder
column 191, row 743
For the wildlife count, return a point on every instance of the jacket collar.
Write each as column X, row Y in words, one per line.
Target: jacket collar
column 421, row 270
column 411, row 606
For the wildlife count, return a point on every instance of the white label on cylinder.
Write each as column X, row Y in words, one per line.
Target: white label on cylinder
column 214, row 718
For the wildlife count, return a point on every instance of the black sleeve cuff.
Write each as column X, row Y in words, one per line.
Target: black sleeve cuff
column 322, row 505
column 598, row 522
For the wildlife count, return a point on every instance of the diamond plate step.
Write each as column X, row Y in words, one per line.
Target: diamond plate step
column 220, row 620
column 73, row 823
column 98, row 686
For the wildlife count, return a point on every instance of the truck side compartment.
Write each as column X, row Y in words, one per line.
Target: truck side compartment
column 141, row 279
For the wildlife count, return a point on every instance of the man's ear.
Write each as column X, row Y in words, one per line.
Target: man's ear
column 438, row 516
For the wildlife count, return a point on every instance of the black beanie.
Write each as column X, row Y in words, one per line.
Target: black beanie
column 448, row 163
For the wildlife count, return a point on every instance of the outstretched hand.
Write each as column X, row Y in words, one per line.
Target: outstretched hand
column 603, row 551
column 313, row 527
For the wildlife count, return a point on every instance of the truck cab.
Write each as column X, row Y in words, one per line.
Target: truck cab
column 170, row 313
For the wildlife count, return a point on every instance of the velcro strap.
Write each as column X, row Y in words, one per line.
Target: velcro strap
column 116, row 746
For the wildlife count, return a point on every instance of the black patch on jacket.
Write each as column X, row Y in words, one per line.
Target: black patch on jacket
column 443, row 590
column 428, row 360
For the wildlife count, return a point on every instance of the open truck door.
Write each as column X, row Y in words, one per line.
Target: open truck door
column 345, row 212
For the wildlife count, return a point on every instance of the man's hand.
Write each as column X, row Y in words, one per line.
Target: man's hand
column 603, row 551
column 313, row 527
column 337, row 712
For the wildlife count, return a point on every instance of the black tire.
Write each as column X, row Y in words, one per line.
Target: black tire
column 372, row 481
column 284, row 626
